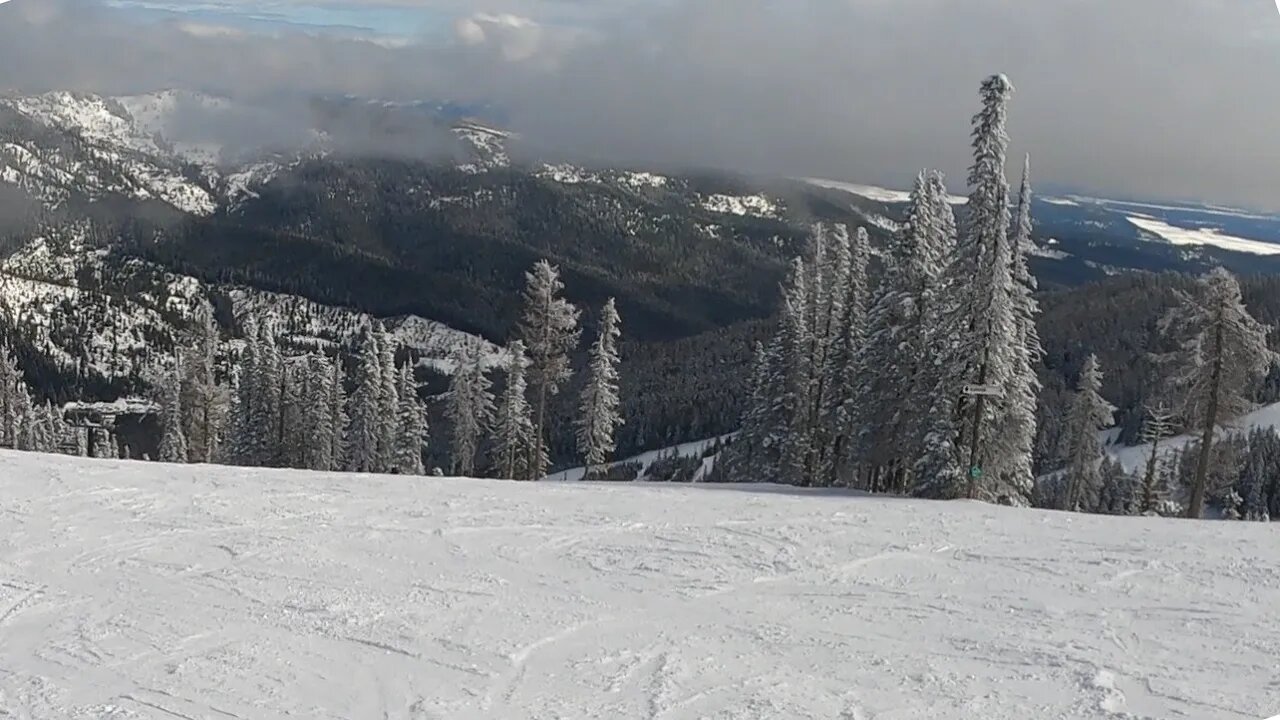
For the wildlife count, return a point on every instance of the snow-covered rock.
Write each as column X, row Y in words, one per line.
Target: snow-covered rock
column 744, row 205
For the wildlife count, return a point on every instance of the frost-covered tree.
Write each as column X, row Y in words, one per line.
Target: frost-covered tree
column 1089, row 412
column 549, row 329
column 270, row 390
column 468, row 408
column 598, row 409
column 1018, row 421
column 1118, row 494
column 1157, row 426
column 411, row 426
column 12, row 387
column 204, row 401
column 366, row 426
column 898, row 382
column 173, row 443
column 317, row 414
column 795, row 338
column 295, row 414
column 245, row 435
column 337, row 407
column 513, row 429
column 1222, row 359
column 753, row 457
column 25, row 432
column 389, row 430
column 986, row 319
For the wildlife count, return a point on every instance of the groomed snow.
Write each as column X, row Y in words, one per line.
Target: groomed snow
column 1203, row 236
column 157, row 592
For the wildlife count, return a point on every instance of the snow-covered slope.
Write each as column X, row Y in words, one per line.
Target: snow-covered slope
column 1134, row 458
column 151, row 592
column 91, row 145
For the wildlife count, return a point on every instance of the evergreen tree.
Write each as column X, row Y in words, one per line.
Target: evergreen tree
column 1157, row 426
column 411, row 426
column 11, row 387
column 754, row 456
column 1018, row 422
column 271, row 389
column 389, row 429
column 938, row 382
column 598, row 409
column 898, row 382
column 366, row 425
column 317, row 413
column 173, row 443
column 26, row 436
column 338, row 421
column 795, row 383
column 469, row 408
column 245, row 435
column 549, row 329
column 849, row 364
column 999, row 461
column 1088, row 414
column 1223, row 358
column 204, row 402
column 513, row 431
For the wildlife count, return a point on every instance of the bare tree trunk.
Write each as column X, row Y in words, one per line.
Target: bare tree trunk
column 1196, row 507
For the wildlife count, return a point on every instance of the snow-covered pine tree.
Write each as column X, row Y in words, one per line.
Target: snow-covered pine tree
column 365, row 426
column 1089, row 412
column 753, row 457
column 897, row 346
column 11, row 385
column 243, row 441
column 513, row 429
column 204, row 402
column 549, row 329
column 270, row 388
column 936, row 386
column 173, row 443
column 598, row 409
column 833, row 367
column 1018, row 423
column 338, row 421
column 998, row 462
column 848, row 368
column 317, row 414
column 411, row 426
column 1157, row 426
column 389, row 430
column 795, row 338
column 469, row 409
column 26, row 436
column 1223, row 358
column 296, row 416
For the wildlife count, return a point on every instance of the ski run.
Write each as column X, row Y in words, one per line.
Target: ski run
column 151, row 591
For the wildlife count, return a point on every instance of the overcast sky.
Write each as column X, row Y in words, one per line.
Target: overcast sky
column 1174, row 99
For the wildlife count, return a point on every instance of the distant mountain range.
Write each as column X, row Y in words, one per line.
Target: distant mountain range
column 119, row 211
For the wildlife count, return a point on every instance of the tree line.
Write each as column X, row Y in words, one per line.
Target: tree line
column 267, row 408
column 927, row 384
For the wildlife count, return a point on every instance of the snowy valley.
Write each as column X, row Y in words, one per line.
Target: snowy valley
column 132, row 591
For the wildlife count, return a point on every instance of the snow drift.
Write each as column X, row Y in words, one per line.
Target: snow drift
column 152, row 591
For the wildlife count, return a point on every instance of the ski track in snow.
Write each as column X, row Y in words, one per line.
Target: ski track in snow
column 159, row 592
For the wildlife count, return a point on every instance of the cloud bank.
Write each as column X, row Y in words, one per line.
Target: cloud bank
column 1141, row 98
